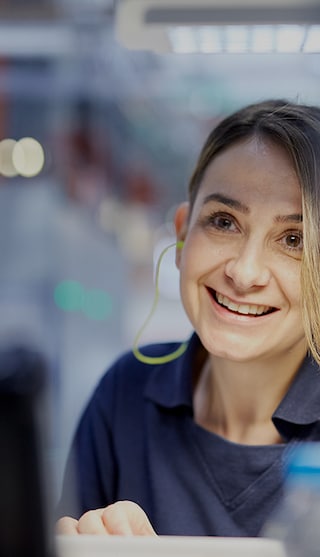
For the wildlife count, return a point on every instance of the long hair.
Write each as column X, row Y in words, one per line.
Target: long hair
column 296, row 128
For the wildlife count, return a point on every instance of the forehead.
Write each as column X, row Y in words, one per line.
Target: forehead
column 253, row 170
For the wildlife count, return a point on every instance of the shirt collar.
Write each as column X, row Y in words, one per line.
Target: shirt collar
column 301, row 404
column 170, row 385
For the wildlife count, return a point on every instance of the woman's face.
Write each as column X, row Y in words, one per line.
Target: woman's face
column 240, row 263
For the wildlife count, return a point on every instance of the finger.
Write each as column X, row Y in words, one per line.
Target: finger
column 91, row 523
column 127, row 518
column 67, row 526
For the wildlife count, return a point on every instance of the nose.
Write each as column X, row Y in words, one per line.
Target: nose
column 248, row 267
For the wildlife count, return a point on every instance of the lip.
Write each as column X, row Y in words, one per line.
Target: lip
column 226, row 312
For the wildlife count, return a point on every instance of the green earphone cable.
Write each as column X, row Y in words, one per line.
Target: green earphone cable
column 183, row 346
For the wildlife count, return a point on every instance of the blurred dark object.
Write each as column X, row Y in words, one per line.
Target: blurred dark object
column 24, row 520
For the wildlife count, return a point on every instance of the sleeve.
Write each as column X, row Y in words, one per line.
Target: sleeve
column 90, row 477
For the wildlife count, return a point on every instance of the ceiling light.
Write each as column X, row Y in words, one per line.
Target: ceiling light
column 219, row 25
column 262, row 39
column 312, row 39
column 245, row 39
column 28, row 157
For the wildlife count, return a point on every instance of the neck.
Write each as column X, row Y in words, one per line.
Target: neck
column 237, row 399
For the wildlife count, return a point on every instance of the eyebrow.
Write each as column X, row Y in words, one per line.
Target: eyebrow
column 289, row 218
column 229, row 201
column 235, row 204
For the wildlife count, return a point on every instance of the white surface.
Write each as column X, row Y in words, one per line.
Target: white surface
column 166, row 546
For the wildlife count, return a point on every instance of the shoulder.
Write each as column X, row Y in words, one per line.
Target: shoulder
column 131, row 384
column 127, row 373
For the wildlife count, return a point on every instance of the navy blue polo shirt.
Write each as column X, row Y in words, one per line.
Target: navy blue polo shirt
column 137, row 440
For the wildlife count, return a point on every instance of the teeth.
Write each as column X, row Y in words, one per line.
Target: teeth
column 244, row 309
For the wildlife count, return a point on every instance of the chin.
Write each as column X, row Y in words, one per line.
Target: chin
column 234, row 352
column 234, row 356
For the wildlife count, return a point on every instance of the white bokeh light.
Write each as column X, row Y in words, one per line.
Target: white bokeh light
column 7, row 168
column 28, row 157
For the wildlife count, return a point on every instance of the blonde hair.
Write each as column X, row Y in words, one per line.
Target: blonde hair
column 296, row 128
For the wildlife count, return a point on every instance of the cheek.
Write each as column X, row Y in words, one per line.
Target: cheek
column 291, row 285
column 296, row 297
column 200, row 256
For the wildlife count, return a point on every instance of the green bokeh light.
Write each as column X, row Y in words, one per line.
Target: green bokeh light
column 96, row 304
column 71, row 296
column 68, row 295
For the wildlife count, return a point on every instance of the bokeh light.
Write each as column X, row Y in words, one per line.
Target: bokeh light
column 28, row 157
column 96, row 304
column 71, row 296
column 7, row 168
column 68, row 295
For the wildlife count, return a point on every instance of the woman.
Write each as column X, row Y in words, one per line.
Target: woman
column 199, row 443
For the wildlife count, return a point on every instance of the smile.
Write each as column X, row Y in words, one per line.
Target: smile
column 243, row 309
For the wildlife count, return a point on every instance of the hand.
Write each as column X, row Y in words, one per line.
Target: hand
column 123, row 518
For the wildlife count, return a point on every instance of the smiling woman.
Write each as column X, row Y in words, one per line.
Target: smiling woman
column 199, row 442
column 243, row 242
column 295, row 128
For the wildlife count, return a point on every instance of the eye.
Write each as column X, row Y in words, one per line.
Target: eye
column 222, row 222
column 293, row 241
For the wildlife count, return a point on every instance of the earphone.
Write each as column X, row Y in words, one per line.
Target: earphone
column 183, row 346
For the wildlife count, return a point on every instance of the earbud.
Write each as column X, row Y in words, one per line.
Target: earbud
column 183, row 346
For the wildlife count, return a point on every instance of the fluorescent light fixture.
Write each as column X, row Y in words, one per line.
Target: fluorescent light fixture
column 235, row 26
column 183, row 38
column 290, row 38
column 262, row 39
column 312, row 40
column 245, row 39
column 236, row 38
column 210, row 39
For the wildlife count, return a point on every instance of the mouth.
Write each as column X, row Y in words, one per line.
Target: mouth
column 253, row 310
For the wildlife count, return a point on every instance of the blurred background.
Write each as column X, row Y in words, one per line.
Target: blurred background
column 104, row 106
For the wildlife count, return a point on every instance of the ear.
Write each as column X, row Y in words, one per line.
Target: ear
column 181, row 226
